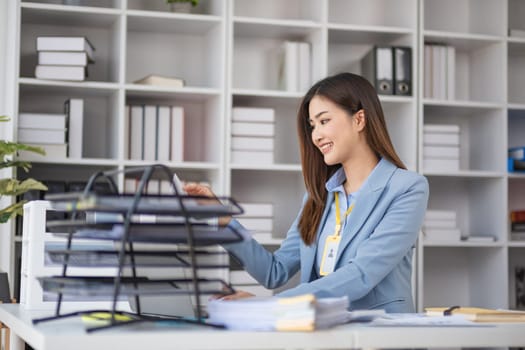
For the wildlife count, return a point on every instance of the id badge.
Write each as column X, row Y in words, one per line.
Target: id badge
column 331, row 246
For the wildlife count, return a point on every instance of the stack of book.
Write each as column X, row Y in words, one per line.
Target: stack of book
column 439, row 72
column 258, row 218
column 60, row 135
column 252, row 132
column 441, row 145
column 241, row 280
column 441, row 225
column 516, row 159
column 44, row 130
column 517, row 224
column 155, row 132
column 295, row 66
column 63, row 58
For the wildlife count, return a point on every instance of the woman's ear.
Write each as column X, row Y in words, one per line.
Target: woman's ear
column 360, row 119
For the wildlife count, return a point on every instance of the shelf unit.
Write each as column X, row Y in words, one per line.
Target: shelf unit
column 227, row 60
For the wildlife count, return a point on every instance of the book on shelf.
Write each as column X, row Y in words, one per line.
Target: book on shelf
column 240, row 143
column 439, row 71
column 257, row 209
column 517, row 226
column 478, row 314
column 74, row 73
column 517, row 33
column 161, row 80
column 516, row 153
column 440, row 165
column 446, row 152
column 515, row 165
column 252, row 157
column 253, row 114
column 42, row 121
column 177, row 134
column 44, row 136
column 479, row 238
column 441, row 128
column 63, row 58
column 74, row 109
column 65, row 43
column 155, row 132
column 53, row 151
column 517, row 215
column 433, row 214
column 442, row 234
column 295, row 66
column 441, row 139
column 252, row 129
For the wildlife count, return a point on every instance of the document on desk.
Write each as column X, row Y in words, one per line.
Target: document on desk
column 422, row 320
column 300, row 313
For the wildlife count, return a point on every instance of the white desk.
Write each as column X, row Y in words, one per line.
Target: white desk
column 69, row 333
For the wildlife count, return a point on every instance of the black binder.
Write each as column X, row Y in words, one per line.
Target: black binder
column 402, row 71
column 378, row 67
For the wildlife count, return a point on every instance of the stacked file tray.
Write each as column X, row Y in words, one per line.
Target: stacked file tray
column 171, row 232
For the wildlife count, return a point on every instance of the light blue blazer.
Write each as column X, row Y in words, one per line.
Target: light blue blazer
column 374, row 262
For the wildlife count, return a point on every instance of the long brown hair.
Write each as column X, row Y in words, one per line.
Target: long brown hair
column 352, row 93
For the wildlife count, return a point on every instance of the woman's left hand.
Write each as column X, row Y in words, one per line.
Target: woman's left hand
column 240, row 294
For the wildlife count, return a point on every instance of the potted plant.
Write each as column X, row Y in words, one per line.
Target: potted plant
column 14, row 187
column 182, row 5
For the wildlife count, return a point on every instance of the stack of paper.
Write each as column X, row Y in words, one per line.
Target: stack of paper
column 441, row 225
column 300, row 313
column 441, row 145
column 253, row 133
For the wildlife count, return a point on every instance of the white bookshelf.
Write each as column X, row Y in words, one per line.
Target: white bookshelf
column 225, row 51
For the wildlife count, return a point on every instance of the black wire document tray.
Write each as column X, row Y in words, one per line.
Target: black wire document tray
column 137, row 258
column 194, row 206
column 203, row 234
column 82, row 286
column 153, row 245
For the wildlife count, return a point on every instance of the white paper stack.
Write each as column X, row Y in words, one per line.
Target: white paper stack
column 44, row 130
column 441, row 145
column 441, row 225
column 253, row 131
column 63, row 58
column 300, row 313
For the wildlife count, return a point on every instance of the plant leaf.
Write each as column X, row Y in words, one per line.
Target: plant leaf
column 9, row 148
column 15, row 187
column 11, row 211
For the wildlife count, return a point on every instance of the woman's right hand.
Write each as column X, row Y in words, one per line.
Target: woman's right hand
column 195, row 189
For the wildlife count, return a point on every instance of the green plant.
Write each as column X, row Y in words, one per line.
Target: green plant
column 193, row 2
column 14, row 187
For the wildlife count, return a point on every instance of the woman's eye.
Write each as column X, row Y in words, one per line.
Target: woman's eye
column 324, row 121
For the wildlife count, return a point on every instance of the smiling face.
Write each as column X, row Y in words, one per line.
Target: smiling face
column 335, row 133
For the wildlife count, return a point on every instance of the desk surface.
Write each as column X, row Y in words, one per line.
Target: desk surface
column 62, row 334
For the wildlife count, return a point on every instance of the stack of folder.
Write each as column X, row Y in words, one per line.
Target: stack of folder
column 441, row 225
column 441, row 146
column 253, row 133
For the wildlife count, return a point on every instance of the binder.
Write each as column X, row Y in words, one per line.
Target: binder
column 378, row 67
column 402, row 71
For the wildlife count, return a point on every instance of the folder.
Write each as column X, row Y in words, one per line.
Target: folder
column 402, row 71
column 477, row 314
column 378, row 67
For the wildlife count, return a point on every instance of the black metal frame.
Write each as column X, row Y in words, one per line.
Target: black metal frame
column 126, row 248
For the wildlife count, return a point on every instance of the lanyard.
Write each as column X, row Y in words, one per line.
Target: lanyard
column 338, row 215
column 331, row 245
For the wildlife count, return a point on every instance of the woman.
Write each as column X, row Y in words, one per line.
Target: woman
column 360, row 219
